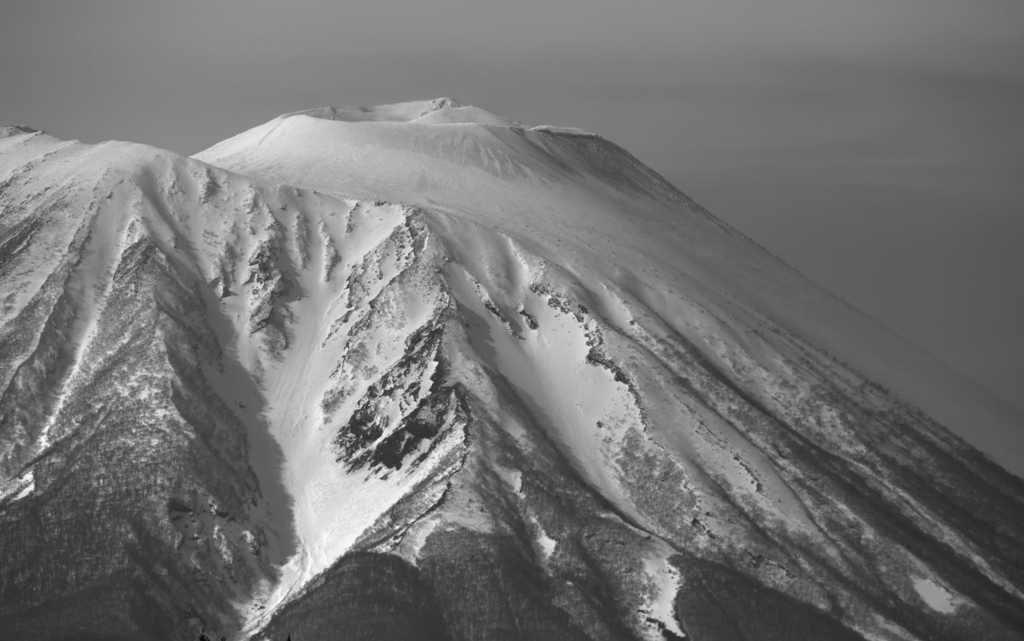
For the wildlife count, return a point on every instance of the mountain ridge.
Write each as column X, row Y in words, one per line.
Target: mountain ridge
column 300, row 147
column 527, row 394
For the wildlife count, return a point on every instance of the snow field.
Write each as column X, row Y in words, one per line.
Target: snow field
column 937, row 597
column 583, row 406
column 666, row 359
column 664, row 583
column 583, row 204
column 346, row 328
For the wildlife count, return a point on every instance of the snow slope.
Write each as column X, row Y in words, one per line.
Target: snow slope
column 586, row 204
column 494, row 381
column 279, row 288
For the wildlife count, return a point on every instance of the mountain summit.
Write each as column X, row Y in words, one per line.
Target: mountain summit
column 421, row 372
column 440, row 111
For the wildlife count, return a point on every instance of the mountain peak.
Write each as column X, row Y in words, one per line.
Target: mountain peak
column 496, row 382
column 444, row 101
column 7, row 131
column 439, row 111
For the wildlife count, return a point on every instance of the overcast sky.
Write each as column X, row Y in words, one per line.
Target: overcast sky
column 876, row 145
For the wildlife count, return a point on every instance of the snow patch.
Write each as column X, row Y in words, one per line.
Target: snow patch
column 416, row 537
column 937, row 597
column 514, row 479
column 545, row 544
column 19, row 488
column 665, row 583
column 585, row 405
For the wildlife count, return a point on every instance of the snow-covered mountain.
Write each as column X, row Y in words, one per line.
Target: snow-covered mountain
column 422, row 372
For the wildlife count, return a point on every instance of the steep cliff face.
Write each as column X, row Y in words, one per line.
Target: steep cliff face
column 514, row 386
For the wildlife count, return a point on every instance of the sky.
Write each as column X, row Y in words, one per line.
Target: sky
column 877, row 145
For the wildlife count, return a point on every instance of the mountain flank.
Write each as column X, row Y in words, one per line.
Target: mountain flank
column 421, row 372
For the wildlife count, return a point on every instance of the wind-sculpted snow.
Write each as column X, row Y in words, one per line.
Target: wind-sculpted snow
column 517, row 387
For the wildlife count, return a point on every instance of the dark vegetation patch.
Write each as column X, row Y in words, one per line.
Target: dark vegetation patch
column 489, row 590
column 720, row 604
column 364, row 597
column 468, row 587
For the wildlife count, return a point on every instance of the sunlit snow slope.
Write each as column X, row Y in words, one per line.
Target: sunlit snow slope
column 589, row 206
column 420, row 372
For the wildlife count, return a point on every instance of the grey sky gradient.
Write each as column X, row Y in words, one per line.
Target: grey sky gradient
column 876, row 145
